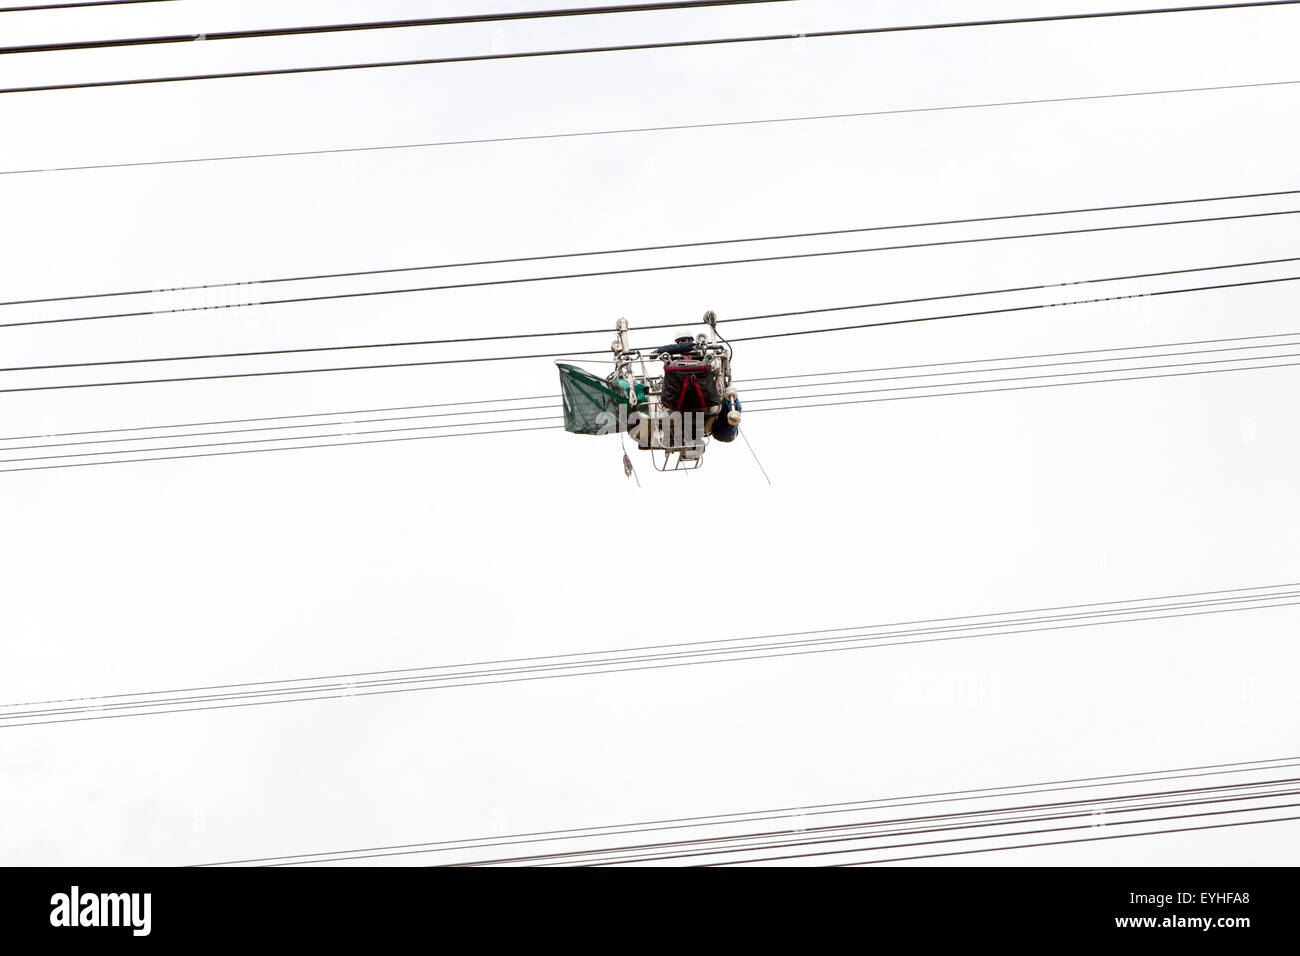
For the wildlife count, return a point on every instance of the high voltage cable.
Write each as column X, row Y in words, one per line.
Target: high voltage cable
column 1082, row 826
column 1112, row 836
column 1008, row 368
column 896, row 368
column 257, row 451
column 630, row 47
column 889, row 398
column 839, row 833
column 737, row 843
column 271, row 418
column 29, row 8
column 1214, row 596
column 1018, row 388
column 642, row 129
column 787, row 813
column 680, row 823
column 792, row 813
column 258, row 441
column 749, row 392
column 964, row 315
column 650, row 248
column 331, row 28
column 529, row 398
column 664, row 325
column 270, row 428
column 952, row 840
column 945, row 394
column 1021, row 378
column 575, row 354
column 337, row 296
column 657, row 657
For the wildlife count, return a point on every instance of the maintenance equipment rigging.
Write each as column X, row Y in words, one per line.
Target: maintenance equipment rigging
column 671, row 411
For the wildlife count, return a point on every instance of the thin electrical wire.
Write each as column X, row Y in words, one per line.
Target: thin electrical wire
column 628, row 47
column 1017, row 388
column 749, row 260
column 743, row 862
column 982, row 312
column 763, row 842
column 544, row 863
column 1084, row 826
column 862, row 830
column 1000, row 358
column 578, row 834
column 307, row 371
column 98, row 710
column 514, row 260
column 514, row 409
column 996, row 368
column 577, row 354
column 922, row 799
column 641, row 129
column 757, row 410
column 257, row 441
column 29, row 8
column 740, row 857
column 1021, row 378
column 275, row 428
column 335, row 28
column 1112, row 836
column 1136, row 604
column 141, row 703
column 272, row 418
column 915, row 300
column 551, row 397
column 255, row 451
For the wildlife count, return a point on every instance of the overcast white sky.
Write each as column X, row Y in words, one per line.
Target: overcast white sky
column 257, row 567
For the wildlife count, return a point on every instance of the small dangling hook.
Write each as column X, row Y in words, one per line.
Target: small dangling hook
column 628, row 470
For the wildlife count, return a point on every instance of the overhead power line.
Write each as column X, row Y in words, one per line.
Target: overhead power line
column 330, row 28
column 30, row 8
column 661, row 247
column 1002, row 311
column 855, row 836
column 575, row 354
column 797, row 818
column 374, row 441
column 1109, row 836
column 555, row 397
column 793, row 816
column 962, row 391
column 652, row 657
column 258, row 451
column 930, row 390
column 260, row 441
column 500, row 410
column 1022, row 378
column 280, row 424
column 1109, row 359
column 630, row 47
column 1056, row 374
column 1001, row 358
column 1087, row 816
column 606, row 331
column 288, row 154
column 272, row 418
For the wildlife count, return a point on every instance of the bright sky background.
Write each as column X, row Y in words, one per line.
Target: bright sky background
column 257, row 567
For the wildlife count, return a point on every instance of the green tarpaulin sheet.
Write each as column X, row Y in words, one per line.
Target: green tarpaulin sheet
column 590, row 403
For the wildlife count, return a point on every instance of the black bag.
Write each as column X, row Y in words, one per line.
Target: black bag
column 689, row 388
